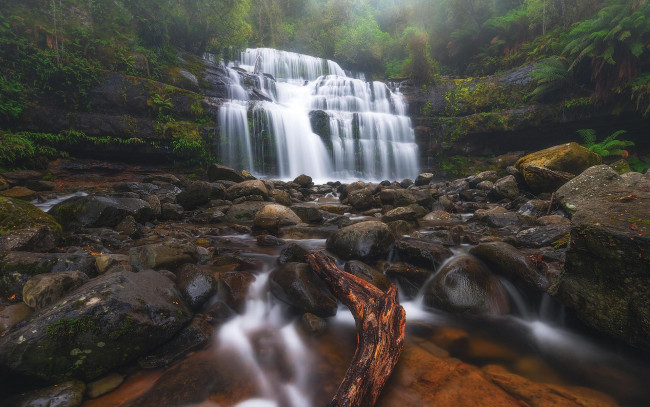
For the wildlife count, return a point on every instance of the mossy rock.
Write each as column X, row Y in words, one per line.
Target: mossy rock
column 16, row 214
column 567, row 158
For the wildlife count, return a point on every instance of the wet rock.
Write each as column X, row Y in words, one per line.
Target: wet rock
column 293, row 253
column 409, row 278
column 553, row 220
column 196, row 194
column 566, row 158
column 401, row 213
column 297, row 285
column 167, row 255
column 303, row 180
column 233, row 288
column 511, row 263
column 43, row 290
column 155, row 204
column 506, row 187
column 367, row 273
column 542, row 235
column 401, row 228
column 163, row 178
column 281, row 197
column 243, row 213
column 99, row 211
column 607, row 262
column 247, row 188
column 66, row 394
column 192, row 337
column 218, row 172
column 18, row 267
column 170, row 211
column 369, row 240
column 16, row 214
column 23, row 193
column 196, row 285
column 490, row 176
column 464, row 286
column 40, row 185
column 269, row 241
column 104, row 385
column 485, row 185
column 77, row 338
column 534, row 207
column 104, row 262
column 423, row 179
column 140, row 188
column 129, row 227
column 497, row 217
column 210, row 215
column 13, row 314
column 422, row 252
column 313, row 324
column 308, row 213
column 361, row 199
column 34, row 239
column 274, row 216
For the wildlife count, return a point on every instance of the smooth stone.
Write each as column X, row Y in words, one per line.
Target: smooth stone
column 45, row 289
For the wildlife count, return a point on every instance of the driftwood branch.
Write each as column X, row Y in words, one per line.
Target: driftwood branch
column 380, row 333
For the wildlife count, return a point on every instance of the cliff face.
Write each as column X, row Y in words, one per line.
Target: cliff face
column 132, row 118
column 462, row 124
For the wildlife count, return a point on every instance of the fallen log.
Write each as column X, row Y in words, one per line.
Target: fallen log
column 380, row 324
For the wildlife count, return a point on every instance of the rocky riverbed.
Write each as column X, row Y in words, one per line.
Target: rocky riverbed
column 131, row 291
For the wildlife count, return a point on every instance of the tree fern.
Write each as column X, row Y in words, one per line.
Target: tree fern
column 551, row 76
column 609, row 146
column 588, row 137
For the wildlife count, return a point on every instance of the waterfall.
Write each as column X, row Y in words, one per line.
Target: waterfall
column 318, row 122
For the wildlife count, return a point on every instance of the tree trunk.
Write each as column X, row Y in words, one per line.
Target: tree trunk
column 380, row 324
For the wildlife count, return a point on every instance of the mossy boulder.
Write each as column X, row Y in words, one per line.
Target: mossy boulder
column 369, row 240
column 607, row 270
column 569, row 158
column 99, row 211
column 77, row 338
column 16, row 214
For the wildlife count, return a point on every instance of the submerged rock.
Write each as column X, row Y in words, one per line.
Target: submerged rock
column 297, row 285
column 77, row 338
column 369, row 240
column 464, row 286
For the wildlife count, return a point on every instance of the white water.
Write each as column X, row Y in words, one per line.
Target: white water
column 236, row 337
column 370, row 135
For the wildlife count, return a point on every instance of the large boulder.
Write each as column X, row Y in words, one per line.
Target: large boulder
column 274, row 216
column 43, row 290
column 247, row 188
column 66, row 394
column 218, row 172
column 607, row 270
column 367, row 273
column 297, row 285
column 569, row 158
column 423, row 253
column 509, row 262
column 169, row 254
column 34, row 239
column 195, row 195
column 99, row 211
column 369, row 240
column 16, row 214
column 77, row 338
column 243, row 213
column 16, row 268
column 463, row 285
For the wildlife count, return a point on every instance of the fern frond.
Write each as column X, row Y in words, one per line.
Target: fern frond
column 588, row 137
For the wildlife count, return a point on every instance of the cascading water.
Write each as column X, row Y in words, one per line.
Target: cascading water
column 317, row 121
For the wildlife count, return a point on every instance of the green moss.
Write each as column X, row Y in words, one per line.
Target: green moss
column 71, row 327
column 16, row 214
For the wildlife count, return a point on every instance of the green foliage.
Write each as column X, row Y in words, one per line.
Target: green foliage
column 361, row 44
column 639, row 165
column 610, row 146
column 552, row 77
